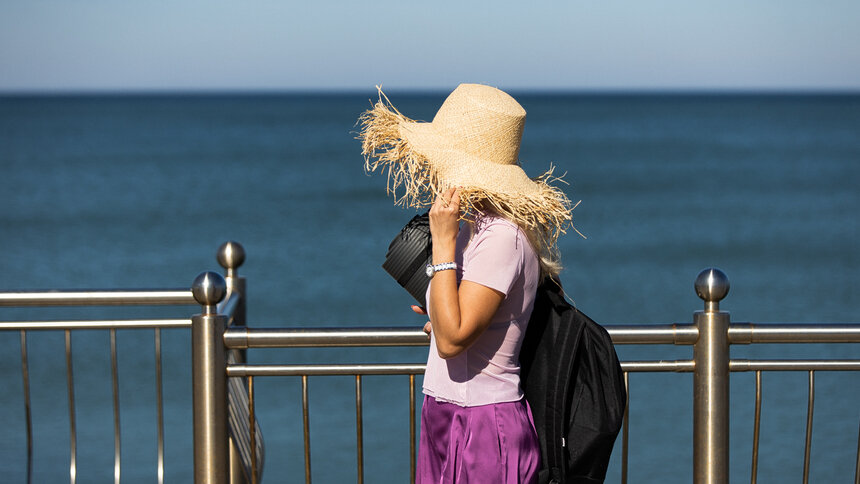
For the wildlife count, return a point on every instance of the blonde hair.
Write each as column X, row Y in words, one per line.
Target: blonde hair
column 548, row 255
column 540, row 239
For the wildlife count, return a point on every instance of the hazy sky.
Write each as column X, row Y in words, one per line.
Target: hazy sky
column 318, row 44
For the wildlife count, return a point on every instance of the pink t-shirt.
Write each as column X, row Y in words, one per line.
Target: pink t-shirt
column 500, row 257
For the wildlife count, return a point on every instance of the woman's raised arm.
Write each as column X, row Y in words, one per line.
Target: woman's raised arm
column 458, row 315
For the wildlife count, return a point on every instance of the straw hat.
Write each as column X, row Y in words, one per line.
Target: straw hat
column 473, row 143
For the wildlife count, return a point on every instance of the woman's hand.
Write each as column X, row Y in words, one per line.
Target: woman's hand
column 420, row 310
column 444, row 225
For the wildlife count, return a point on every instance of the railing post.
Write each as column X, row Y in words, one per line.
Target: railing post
column 711, row 382
column 209, row 381
column 230, row 256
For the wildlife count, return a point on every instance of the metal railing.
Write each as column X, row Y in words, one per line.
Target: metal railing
column 224, row 424
column 710, row 334
column 232, row 311
column 94, row 298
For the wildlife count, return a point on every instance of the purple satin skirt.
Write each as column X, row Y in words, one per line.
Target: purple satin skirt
column 493, row 444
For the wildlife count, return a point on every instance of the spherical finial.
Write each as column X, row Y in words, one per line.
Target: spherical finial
column 230, row 256
column 209, row 288
column 712, row 285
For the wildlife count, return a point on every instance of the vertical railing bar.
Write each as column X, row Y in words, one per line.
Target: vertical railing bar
column 711, row 378
column 209, row 382
column 358, row 430
column 306, row 429
column 857, row 465
column 756, row 428
column 71, row 389
column 412, row 428
column 25, row 376
column 159, row 403
column 625, row 430
column 252, row 430
column 809, row 412
column 114, row 370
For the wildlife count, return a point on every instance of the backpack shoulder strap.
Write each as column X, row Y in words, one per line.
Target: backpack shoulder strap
column 547, row 360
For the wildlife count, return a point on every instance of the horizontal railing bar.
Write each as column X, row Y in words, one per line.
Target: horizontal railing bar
column 413, row 369
column 244, row 338
column 680, row 366
column 319, row 370
column 653, row 333
column 120, row 297
column 794, row 365
column 744, row 333
column 119, row 324
column 679, row 334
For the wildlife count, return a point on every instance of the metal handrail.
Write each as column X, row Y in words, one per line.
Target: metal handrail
column 681, row 366
column 94, row 324
column 631, row 334
column 677, row 334
column 746, row 333
column 320, row 370
column 794, row 365
column 711, row 335
column 628, row 334
column 120, row 297
column 220, row 330
column 246, row 338
column 94, row 298
column 230, row 256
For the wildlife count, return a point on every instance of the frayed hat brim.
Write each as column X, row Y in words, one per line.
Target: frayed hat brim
column 417, row 161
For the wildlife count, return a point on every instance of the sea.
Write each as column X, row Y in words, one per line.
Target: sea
column 140, row 190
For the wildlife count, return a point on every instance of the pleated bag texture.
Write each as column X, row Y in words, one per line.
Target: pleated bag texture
column 408, row 256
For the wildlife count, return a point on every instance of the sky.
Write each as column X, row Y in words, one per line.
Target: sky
column 213, row 45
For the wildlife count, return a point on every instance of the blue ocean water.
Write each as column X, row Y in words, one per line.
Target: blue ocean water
column 139, row 191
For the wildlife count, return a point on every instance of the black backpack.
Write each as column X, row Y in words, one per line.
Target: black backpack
column 575, row 386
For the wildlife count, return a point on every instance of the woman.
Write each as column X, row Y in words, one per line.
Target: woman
column 476, row 426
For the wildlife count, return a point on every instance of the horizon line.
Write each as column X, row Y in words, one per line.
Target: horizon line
column 131, row 92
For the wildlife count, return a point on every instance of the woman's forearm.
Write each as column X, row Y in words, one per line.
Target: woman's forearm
column 458, row 314
column 444, row 302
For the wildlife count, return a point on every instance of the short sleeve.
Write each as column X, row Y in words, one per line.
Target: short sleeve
column 494, row 257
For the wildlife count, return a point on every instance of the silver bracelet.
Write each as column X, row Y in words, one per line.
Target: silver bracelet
column 432, row 269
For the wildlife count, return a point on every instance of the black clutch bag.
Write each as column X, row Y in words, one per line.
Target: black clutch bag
column 408, row 256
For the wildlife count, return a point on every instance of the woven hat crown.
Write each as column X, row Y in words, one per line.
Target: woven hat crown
column 473, row 143
column 482, row 121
